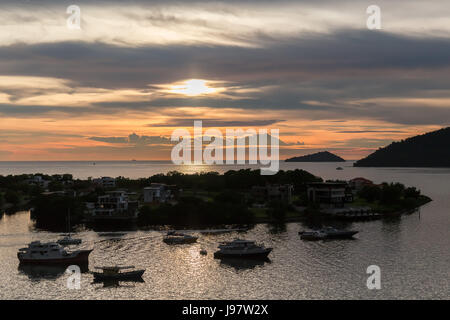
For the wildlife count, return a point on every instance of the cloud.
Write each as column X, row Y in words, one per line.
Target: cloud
column 370, row 131
column 135, row 139
column 188, row 122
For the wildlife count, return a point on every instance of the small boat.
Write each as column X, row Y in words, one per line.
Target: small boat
column 339, row 168
column 327, row 233
column 174, row 237
column 312, row 235
column 333, row 233
column 242, row 249
column 113, row 273
column 51, row 253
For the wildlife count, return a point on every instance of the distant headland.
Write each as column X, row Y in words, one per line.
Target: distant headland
column 427, row 150
column 323, row 156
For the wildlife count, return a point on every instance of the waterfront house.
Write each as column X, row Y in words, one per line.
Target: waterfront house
column 105, row 182
column 114, row 205
column 329, row 194
column 273, row 192
column 157, row 193
column 39, row 181
column 359, row 183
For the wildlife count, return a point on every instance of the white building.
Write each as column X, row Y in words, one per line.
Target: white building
column 328, row 194
column 114, row 203
column 105, row 182
column 37, row 180
column 156, row 193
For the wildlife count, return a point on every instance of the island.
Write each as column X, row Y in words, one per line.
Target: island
column 323, row 156
column 427, row 150
column 209, row 199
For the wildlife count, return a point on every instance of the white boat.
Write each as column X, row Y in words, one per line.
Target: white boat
column 174, row 237
column 51, row 253
column 242, row 249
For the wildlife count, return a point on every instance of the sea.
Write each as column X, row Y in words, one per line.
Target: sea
column 411, row 252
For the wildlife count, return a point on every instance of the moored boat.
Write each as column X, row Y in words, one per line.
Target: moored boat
column 173, row 237
column 312, row 235
column 327, row 233
column 114, row 273
column 51, row 253
column 242, row 249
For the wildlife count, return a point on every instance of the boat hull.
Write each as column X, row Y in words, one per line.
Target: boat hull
column 132, row 275
column 330, row 235
column 82, row 257
column 312, row 237
column 342, row 235
column 255, row 255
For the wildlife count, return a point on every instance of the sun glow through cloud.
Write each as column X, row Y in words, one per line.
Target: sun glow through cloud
column 193, row 87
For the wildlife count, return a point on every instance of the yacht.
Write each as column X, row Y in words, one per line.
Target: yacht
column 51, row 253
column 242, row 249
column 174, row 237
column 327, row 233
column 114, row 273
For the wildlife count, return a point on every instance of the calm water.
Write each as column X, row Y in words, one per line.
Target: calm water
column 412, row 252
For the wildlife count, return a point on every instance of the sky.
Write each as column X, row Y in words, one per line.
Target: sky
column 135, row 71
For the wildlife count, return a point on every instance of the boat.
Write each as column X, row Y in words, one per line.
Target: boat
column 312, row 235
column 51, row 253
column 220, row 231
column 242, row 249
column 339, row 168
column 114, row 273
column 327, row 233
column 174, row 237
column 333, row 233
column 68, row 240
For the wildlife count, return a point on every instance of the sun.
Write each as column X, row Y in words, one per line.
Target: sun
column 193, row 87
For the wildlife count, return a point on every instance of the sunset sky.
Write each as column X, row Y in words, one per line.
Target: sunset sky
column 137, row 70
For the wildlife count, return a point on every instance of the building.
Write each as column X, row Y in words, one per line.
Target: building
column 37, row 180
column 105, row 182
column 157, row 193
column 359, row 183
column 114, row 204
column 329, row 194
column 268, row 193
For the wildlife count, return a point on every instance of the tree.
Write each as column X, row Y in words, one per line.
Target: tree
column 412, row 192
column 12, row 197
column 370, row 193
column 277, row 210
column 391, row 193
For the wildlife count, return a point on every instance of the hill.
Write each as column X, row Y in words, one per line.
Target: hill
column 427, row 150
column 323, row 156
